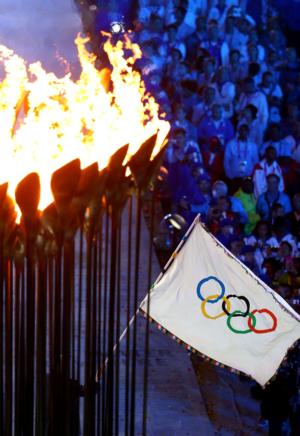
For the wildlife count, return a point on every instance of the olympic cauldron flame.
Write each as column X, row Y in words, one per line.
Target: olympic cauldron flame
column 48, row 122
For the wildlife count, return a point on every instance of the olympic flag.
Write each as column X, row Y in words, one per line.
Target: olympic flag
column 208, row 299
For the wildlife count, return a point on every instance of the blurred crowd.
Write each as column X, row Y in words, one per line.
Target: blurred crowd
column 228, row 81
column 229, row 85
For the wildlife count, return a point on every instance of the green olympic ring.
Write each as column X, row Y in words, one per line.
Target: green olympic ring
column 239, row 312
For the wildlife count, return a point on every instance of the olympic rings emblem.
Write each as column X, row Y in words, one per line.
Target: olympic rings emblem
column 226, row 308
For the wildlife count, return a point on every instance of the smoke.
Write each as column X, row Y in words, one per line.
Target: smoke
column 38, row 30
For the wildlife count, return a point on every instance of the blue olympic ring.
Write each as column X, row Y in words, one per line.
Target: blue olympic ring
column 201, row 283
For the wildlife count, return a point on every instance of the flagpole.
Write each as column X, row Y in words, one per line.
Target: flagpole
column 165, row 268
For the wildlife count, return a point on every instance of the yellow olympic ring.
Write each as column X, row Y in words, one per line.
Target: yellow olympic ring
column 211, row 297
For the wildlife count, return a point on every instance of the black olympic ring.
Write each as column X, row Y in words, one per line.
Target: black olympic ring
column 239, row 312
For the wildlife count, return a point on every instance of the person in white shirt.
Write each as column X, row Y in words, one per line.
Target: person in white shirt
column 270, row 88
column 240, row 155
column 251, row 95
column 171, row 41
column 203, row 108
column 268, row 165
column 249, row 117
column 284, row 146
column 219, row 12
column 253, row 39
column 225, row 90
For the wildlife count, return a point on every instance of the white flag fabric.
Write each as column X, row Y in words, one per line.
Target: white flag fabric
column 212, row 302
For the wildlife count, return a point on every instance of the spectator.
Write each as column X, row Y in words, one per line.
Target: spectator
column 247, row 198
column 283, row 146
column 195, row 39
column 183, row 150
column 248, row 258
column 225, row 234
column 219, row 12
column 251, row 95
column 215, row 125
column 270, row 88
column 203, row 108
column 220, row 190
column 281, row 233
column 213, row 157
column 172, row 41
column 205, row 78
column 240, row 156
column 225, row 91
column 271, row 196
column 216, row 48
column 268, row 165
column 249, row 117
column 235, row 68
column 258, row 240
column 294, row 216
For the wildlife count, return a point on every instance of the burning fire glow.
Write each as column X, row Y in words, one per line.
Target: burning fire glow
column 46, row 121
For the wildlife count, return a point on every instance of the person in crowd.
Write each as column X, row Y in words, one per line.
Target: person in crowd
column 226, row 231
column 240, row 36
column 250, row 95
column 171, row 40
column 284, row 146
column 294, row 216
column 236, row 69
column 249, row 116
column 153, row 30
column 199, row 200
column 257, row 239
column 194, row 40
column 179, row 120
column 275, row 403
column 240, row 157
column 150, row 8
column 254, row 40
column 246, row 196
column 229, row 31
column 215, row 125
column 182, row 149
column 272, row 195
column 214, row 45
column 291, row 68
column 248, row 258
column 225, row 90
column 236, row 246
column 266, row 166
column 270, row 88
column 204, row 107
column 281, row 233
column 219, row 12
column 203, row 182
column 220, row 190
column 213, row 157
column 208, row 70
column 290, row 120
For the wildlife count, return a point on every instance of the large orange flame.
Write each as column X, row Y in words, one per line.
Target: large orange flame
column 46, row 121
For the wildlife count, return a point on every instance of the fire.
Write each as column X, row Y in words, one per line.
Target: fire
column 47, row 121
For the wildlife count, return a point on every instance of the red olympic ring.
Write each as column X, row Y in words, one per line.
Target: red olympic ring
column 271, row 314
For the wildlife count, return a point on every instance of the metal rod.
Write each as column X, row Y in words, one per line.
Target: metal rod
column 127, row 359
column 135, row 302
column 147, row 331
column 111, row 326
